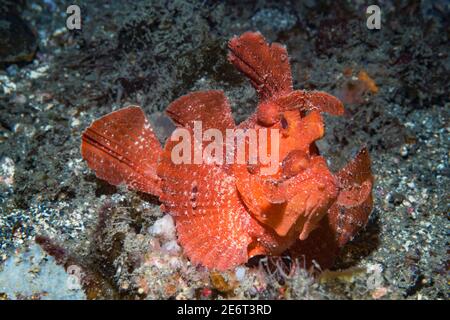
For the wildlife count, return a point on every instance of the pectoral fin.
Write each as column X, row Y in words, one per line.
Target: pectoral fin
column 122, row 149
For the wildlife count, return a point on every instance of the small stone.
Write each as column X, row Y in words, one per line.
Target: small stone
column 6, row 85
column 171, row 247
column 7, row 169
column 39, row 72
column 175, row 263
column 219, row 282
column 396, row 198
column 12, row 70
column 164, row 228
column 75, row 122
column 411, row 185
column 406, row 203
column 20, row 99
column 404, row 151
column 240, row 273
column 379, row 292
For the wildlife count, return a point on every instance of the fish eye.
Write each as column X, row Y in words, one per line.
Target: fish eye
column 284, row 122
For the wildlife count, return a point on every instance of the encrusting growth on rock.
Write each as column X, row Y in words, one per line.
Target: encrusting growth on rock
column 228, row 213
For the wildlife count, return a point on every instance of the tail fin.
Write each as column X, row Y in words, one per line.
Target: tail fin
column 122, row 149
column 267, row 66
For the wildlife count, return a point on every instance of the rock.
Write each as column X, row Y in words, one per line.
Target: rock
column 163, row 228
column 6, row 85
column 396, row 198
column 379, row 292
column 404, row 151
column 219, row 283
column 18, row 42
column 7, row 169
column 31, row 274
column 240, row 273
column 171, row 247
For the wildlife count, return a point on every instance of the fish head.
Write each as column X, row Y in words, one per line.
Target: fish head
column 299, row 188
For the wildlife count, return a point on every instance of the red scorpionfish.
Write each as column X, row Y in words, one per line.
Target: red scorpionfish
column 227, row 213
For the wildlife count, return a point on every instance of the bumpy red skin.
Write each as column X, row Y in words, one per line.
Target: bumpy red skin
column 227, row 213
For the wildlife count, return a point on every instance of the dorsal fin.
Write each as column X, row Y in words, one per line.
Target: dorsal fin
column 267, row 66
column 210, row 107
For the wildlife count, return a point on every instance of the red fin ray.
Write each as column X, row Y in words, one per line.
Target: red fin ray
column 351, row 211
column 324, row 102
column 217, row 240
column 310, row 101
column 122, row 149
column 267, row 66
column 356, row 171
column 210, row 107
